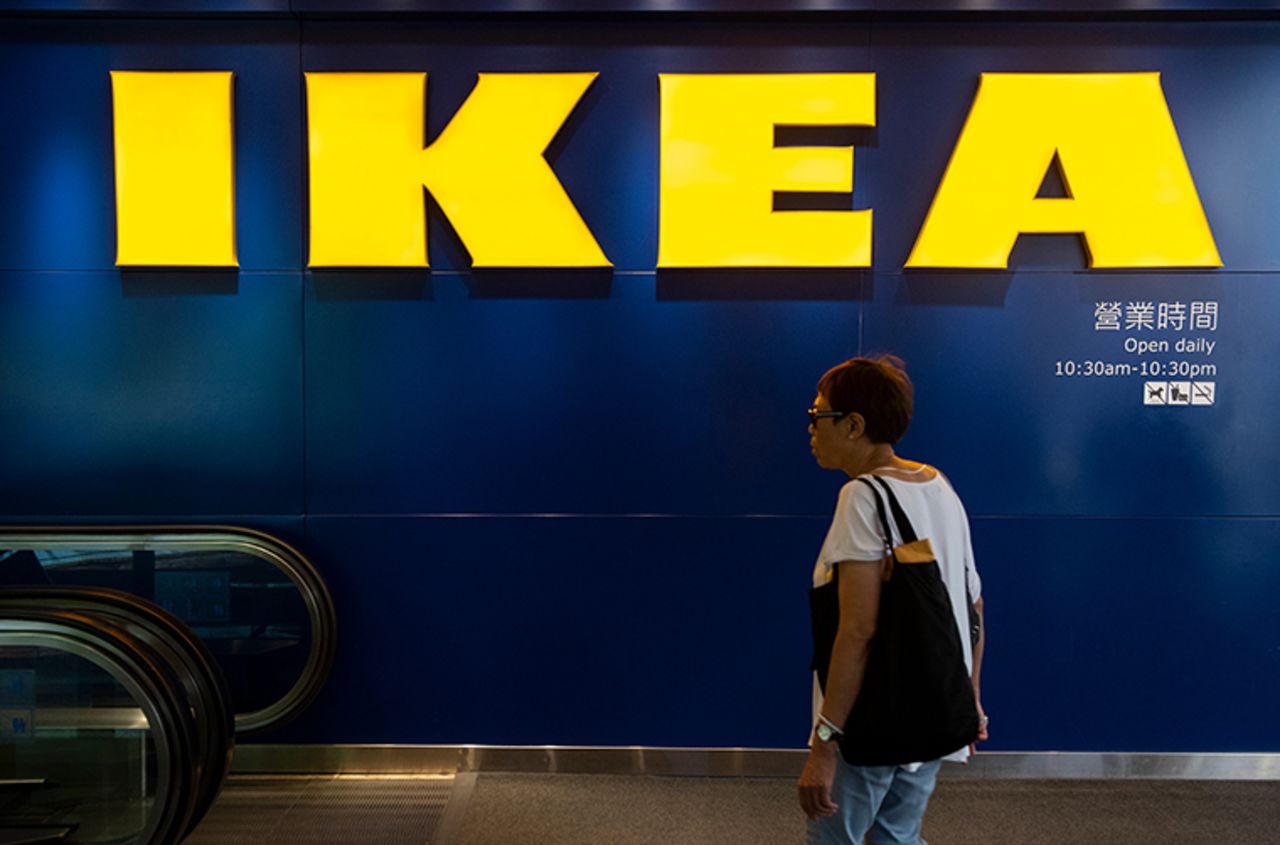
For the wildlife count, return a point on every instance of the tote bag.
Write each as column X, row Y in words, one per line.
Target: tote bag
column 916, row 703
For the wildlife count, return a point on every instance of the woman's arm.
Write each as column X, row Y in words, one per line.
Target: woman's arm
column 978, row 649
column 859, row 608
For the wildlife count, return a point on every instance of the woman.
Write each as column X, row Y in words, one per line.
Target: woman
column 864, row 407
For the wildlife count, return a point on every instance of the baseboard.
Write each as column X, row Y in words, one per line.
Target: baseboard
column 724, row 762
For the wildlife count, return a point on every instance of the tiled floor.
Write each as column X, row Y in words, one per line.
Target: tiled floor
column 359, row 810
column 564, row 809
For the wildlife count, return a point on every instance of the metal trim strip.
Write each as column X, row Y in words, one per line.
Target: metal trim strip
column 745, row 9
column 726, row 762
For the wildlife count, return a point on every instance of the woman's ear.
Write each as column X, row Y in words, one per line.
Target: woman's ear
column 857, row 425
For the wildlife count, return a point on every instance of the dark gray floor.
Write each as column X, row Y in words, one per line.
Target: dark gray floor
column 542, row 809
column 329, row 810
column 1121, row 812
column 623, row 810
column 596, row 809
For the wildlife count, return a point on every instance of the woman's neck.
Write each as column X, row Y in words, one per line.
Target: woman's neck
column 879, row 456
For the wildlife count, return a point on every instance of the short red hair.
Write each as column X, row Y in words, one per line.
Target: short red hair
column 875, row 388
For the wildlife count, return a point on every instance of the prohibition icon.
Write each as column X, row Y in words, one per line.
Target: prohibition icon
column 1203, row 392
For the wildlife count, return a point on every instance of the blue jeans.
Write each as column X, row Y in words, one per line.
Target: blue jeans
column 883, row 803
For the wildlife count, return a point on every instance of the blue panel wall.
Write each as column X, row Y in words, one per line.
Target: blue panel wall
column 150, row 394
column 538, row 404
column 487, row 644
column 985, row 351
column 1130, row 634
column 537, row 494
column 57, row 168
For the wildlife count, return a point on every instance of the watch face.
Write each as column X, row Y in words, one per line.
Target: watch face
column 824, row 732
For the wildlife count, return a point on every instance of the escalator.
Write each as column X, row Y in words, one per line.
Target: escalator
column 101, row 739
column 258, row 604
column 117, row 720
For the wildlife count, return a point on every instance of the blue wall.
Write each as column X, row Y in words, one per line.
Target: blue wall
column 574, row 508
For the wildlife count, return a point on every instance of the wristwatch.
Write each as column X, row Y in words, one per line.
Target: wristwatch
column 825, row 731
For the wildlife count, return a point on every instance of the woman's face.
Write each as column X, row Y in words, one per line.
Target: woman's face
column 828, row 437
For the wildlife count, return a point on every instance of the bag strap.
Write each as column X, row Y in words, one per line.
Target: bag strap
column 905, row 529
column 909, row 536
column 975, row 621
column 884, row 520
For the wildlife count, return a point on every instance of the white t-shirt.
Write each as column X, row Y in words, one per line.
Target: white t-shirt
column 935, row 513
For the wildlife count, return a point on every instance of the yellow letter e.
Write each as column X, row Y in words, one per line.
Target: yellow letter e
column 720, row 170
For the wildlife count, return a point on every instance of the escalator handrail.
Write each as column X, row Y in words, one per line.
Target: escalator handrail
column 300, row 570
column 154, row 686
column 207, row 695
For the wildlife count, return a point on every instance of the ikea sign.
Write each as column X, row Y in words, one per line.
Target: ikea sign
column 1130, row 195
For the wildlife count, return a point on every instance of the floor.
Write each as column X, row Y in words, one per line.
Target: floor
column 331, row 810
column 561, row 809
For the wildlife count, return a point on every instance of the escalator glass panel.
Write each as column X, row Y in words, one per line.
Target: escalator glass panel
column 76, row 748
column 256, row 603
column 247, row 611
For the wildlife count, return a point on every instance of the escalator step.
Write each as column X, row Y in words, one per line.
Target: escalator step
column 42, row 835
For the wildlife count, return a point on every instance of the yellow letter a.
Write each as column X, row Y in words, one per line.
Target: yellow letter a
column 1131, row 196
column 487, row 171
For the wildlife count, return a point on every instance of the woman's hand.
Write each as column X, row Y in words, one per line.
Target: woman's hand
column 983, row 733
column 816, row 780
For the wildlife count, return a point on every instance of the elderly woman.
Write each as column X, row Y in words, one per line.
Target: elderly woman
column 862, row 409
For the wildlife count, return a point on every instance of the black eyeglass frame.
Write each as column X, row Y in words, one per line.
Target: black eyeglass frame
column 816, row 414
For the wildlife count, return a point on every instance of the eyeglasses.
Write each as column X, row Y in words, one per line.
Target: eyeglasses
column 816, row 414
